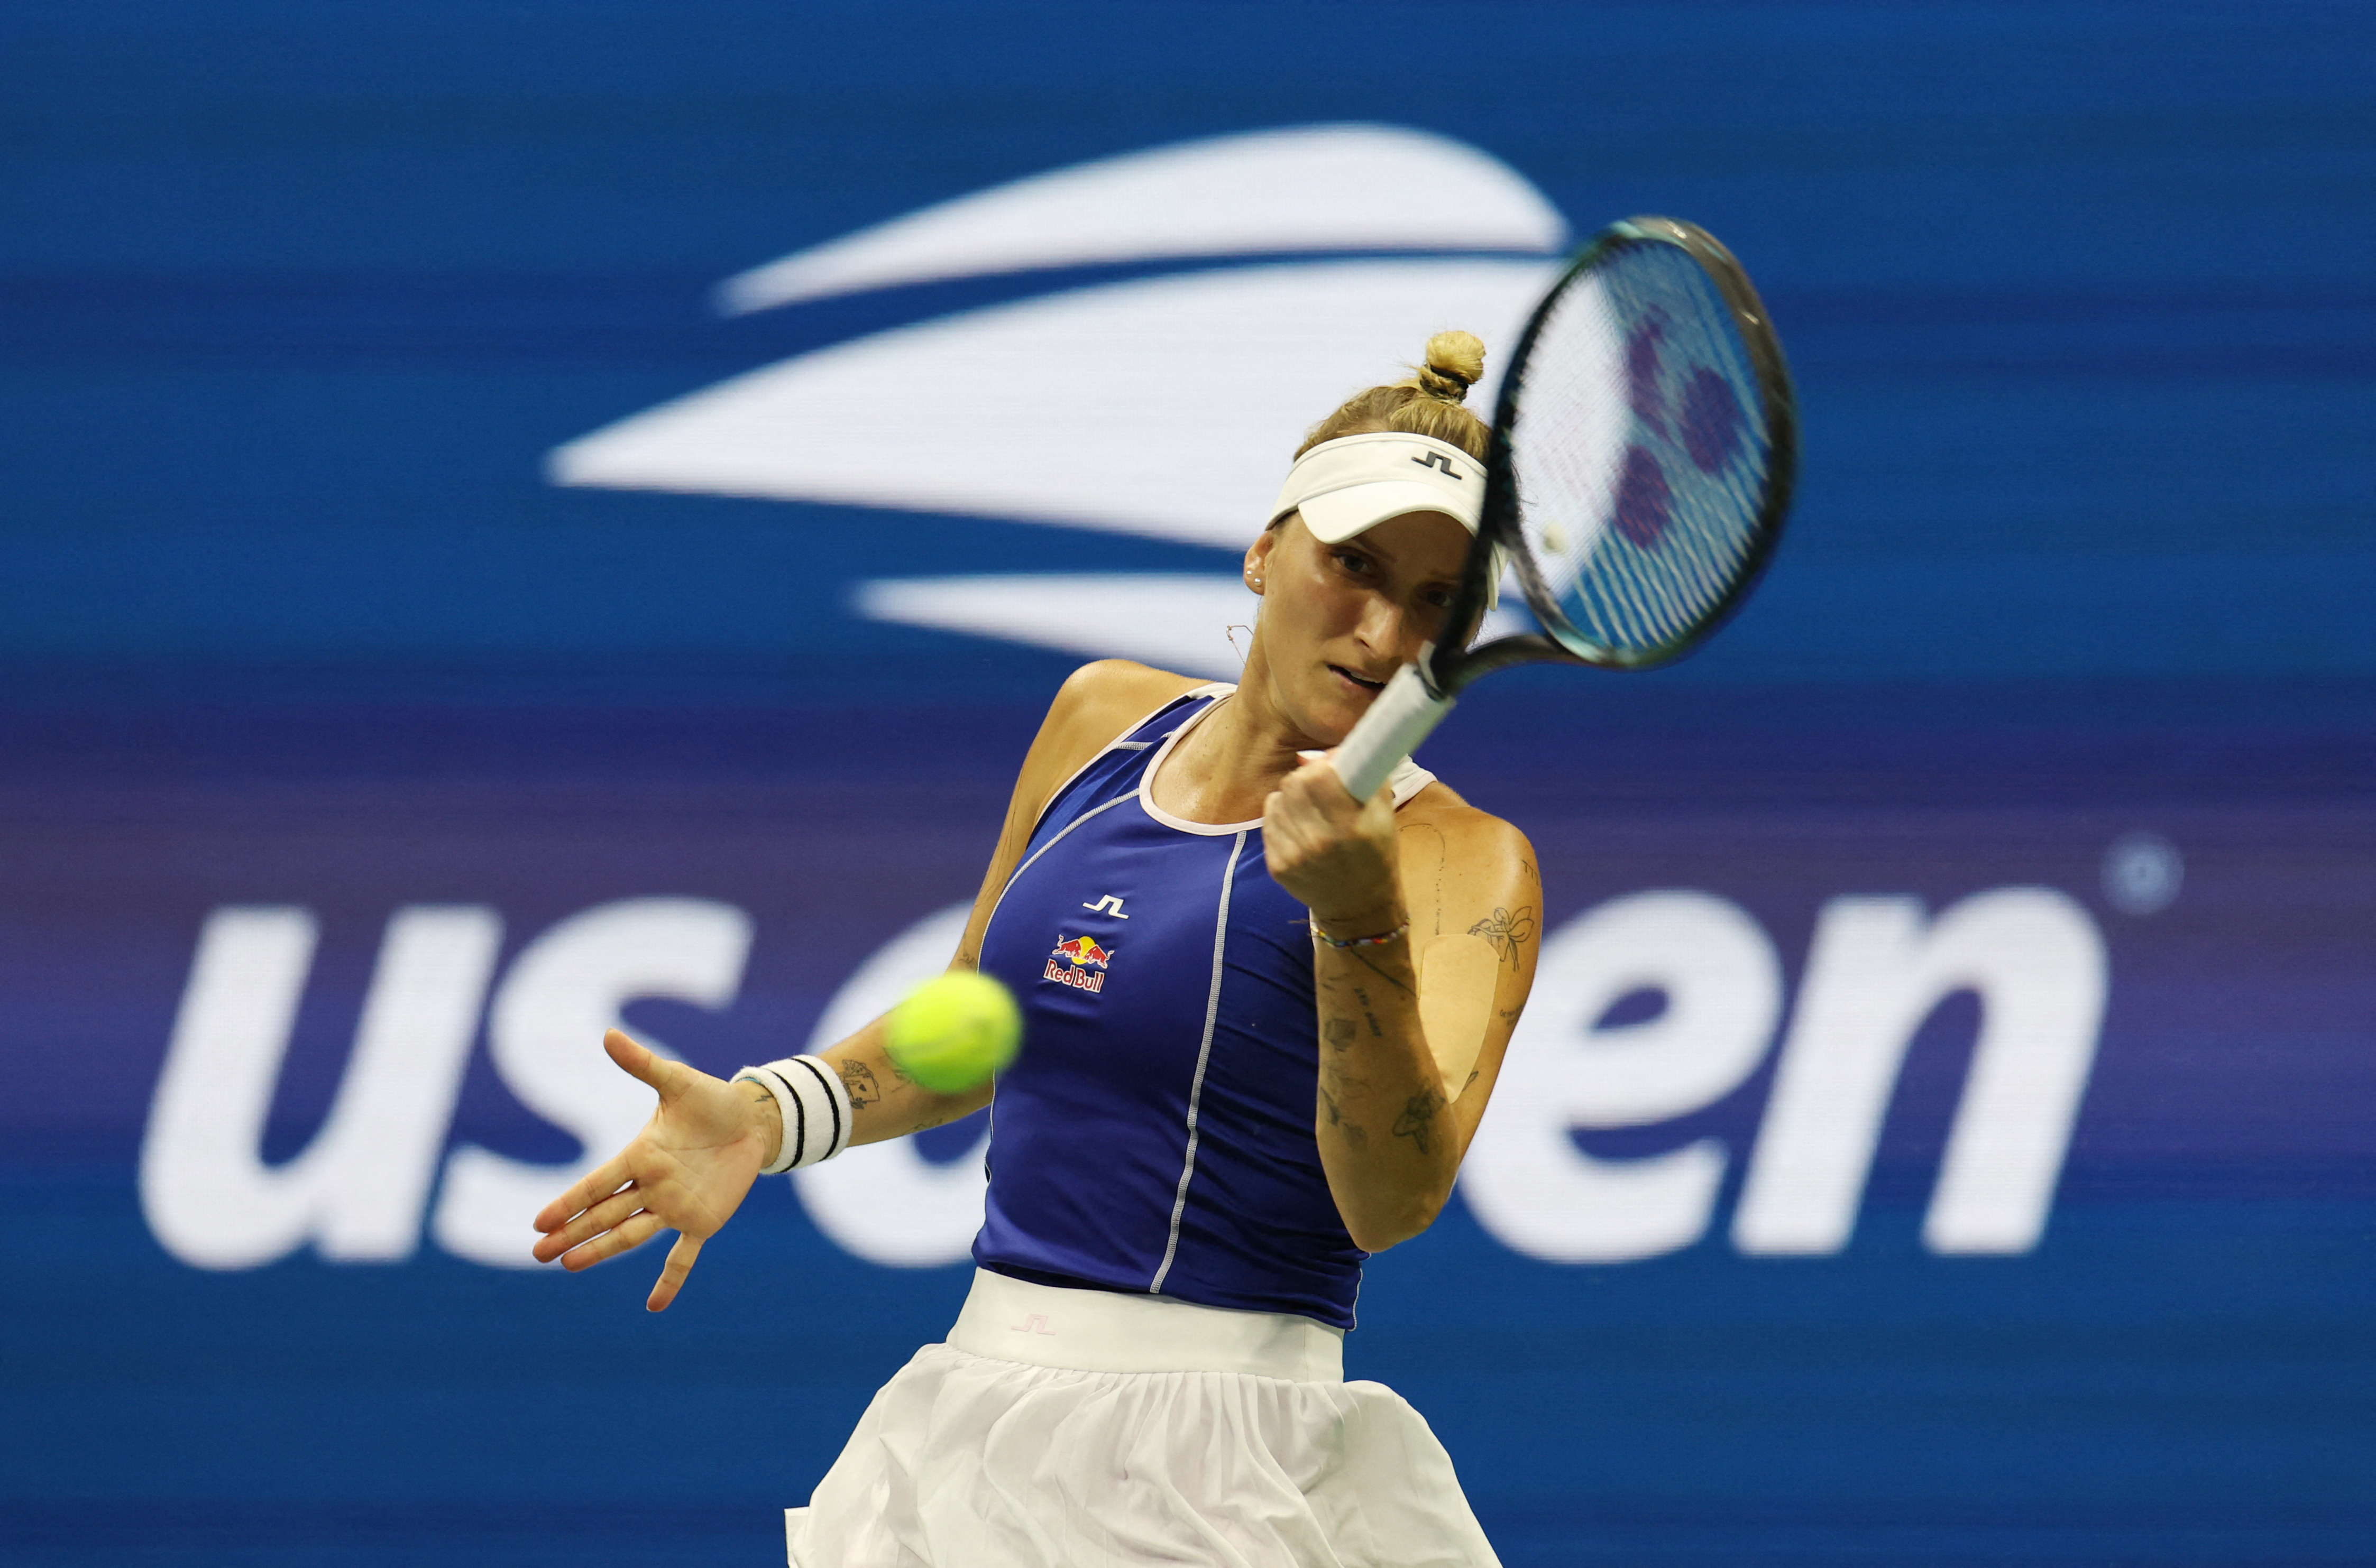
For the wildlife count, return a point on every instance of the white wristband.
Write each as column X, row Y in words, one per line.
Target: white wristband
column 815, row 1105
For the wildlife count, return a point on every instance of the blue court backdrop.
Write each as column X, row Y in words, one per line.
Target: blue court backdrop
column 523, row 516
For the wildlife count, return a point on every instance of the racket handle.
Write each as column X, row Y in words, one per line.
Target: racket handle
column 1402, row 716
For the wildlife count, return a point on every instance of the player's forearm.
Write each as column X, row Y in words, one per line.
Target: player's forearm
column 1386, row 1140
column 884, row 1102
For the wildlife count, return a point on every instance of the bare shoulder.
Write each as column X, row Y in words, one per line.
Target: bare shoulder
column 1096, row 703
column 1113, row 693
column 1470, row 836
column 1463, row 869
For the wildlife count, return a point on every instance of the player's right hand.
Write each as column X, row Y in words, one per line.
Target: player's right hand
column 686, row 1172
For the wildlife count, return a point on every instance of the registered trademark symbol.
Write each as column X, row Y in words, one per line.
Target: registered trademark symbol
column 2142, row 873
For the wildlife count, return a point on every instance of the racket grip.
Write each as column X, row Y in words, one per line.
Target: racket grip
column 1402, row 716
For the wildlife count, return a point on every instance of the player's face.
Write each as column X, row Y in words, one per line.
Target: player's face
column 1337, row 620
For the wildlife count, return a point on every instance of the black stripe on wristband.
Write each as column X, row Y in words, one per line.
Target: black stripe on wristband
column 800, row 1107
column 832, row 1104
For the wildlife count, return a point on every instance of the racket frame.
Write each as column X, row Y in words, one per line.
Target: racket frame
column 1422, row 693
column 1452, row 666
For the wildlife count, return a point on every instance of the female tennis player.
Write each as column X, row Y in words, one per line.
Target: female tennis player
column 1261, row 1020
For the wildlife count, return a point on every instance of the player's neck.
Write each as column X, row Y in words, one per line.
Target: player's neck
column 1224, row 769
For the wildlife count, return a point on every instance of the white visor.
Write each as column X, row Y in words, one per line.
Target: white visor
column 1355, row 482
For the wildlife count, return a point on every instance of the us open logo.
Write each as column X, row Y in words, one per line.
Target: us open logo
column 388, row 1171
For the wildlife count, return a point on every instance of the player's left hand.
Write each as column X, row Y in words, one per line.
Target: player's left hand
column 1334, row 853
column 687, row 1171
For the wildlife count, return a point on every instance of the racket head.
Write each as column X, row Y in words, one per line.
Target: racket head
column 1644, row 447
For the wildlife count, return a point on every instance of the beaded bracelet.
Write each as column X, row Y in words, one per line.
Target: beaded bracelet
column 1378, row 940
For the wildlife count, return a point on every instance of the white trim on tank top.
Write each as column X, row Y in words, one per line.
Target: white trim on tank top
column 1204, row 1057
column 1120, row 743
column 1408, row 779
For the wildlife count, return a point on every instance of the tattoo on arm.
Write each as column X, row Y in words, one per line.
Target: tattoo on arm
column 1339, row 1032
column 1377, row 1031
column 857, row 1078
column 1349, row 1089
column 1375, row 967
column 1418, row 1121
column 1507, row 931
column 1436, row 833
column 1355, row 1135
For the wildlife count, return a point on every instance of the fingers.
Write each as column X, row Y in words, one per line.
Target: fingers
column 613, row 1174
column 1278, row 829
column 621, row 1238
column 601, row 1217
column 1316, row 786
column 1336, row 855
column 1311, row 810
column 673, row 1273
column 1326, row 785
column 636, row 1062
column 584, row 1192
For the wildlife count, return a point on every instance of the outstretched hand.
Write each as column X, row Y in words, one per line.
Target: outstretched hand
column 686, row 1172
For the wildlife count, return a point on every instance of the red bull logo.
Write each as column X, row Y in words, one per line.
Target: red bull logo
column 1084, row 951
column 1075, row 959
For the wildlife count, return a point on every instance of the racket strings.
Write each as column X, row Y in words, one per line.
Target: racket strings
column 1641, row 449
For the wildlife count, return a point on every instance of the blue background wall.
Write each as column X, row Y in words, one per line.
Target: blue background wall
column 294, row 299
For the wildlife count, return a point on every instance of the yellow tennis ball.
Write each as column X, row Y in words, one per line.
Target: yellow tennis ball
column 955, row 1031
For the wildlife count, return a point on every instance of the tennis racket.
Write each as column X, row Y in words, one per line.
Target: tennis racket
column 1644, row 449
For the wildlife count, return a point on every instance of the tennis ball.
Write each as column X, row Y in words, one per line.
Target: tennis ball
column 955, row 1031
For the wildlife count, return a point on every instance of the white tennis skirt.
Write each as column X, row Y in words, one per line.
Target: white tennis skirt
column 1083, row 1429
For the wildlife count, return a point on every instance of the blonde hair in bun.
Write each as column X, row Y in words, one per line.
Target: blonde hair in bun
column 1456, row 362
column 1428, row 404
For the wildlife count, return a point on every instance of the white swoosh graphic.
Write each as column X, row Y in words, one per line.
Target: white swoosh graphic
column 1312, row 187
column 1164, row 407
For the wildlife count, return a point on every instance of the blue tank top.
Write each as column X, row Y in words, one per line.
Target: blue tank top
column 1155, row 1134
